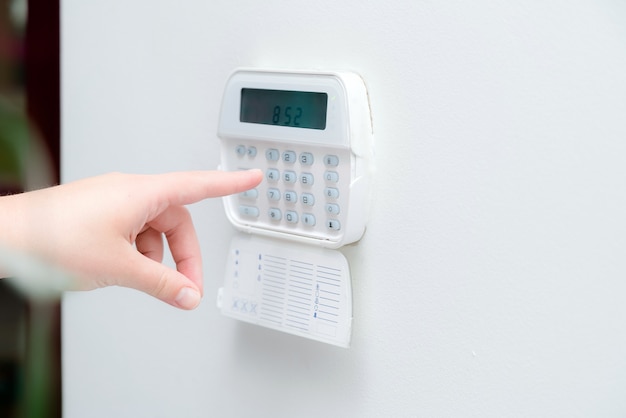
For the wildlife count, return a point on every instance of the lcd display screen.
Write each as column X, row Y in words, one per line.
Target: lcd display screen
column 296, row 109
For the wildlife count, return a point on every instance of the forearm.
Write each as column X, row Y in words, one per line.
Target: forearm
column 12, row 213
column 34, row 275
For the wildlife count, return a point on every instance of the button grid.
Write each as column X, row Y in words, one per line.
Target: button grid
column 301, row 189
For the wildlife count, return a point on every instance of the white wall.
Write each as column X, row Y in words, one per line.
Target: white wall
column 492, row 278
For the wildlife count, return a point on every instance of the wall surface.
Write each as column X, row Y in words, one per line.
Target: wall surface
column 492, row 278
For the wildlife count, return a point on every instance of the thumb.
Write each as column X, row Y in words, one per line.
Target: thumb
column 162, row 282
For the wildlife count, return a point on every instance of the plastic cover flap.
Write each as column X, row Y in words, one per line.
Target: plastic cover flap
column 294, row 288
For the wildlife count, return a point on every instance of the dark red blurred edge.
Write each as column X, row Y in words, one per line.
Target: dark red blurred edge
column 43, row 74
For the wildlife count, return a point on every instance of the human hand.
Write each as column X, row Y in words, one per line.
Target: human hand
column 107, row 230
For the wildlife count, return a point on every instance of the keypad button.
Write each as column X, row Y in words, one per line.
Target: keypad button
column 308, row 219
column 252, row 152
column 306, row 158
column 273, row 194
column 240, row 150
column 306, row 179
column 275, row 214
column 333, row 224
column 331, row 192
column 252, row 211
column 308, row 199
column 250, row 194
column 331, row 160
column 272, row 175
column 272, row 154
column 291, row 196
column 290, row 177
column 289, row 157
column 291, row 217
column 331, row 176
column 332, row 209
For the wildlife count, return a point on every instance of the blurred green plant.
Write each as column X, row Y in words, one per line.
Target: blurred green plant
column 14, row 145
column 20, row 156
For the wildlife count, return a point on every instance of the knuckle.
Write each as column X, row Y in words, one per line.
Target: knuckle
column 160, row 287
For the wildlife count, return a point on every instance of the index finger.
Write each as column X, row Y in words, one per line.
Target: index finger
column 183, row 188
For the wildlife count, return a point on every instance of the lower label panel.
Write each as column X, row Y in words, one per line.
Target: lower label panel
column 295, row 288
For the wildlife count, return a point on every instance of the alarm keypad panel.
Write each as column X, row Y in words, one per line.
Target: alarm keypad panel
column 310, row 134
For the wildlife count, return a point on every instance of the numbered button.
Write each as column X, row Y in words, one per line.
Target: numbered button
column 306, row 179
column 291, row 196
column 251, row 211
column 290, row 177
column 272, row 154
column 272, row 175
column 331, row 160
column 250, row 194
column 331, row 176
column 332, row 209
column 333, row 225
column 308, row 199
column 306, row 158
column 291, row 217
column 331, row 192
column 275, row 214
column 289, row 157
column 308, row 219
column 273, row 194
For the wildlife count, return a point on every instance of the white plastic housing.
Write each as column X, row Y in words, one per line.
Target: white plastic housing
column 339, row 212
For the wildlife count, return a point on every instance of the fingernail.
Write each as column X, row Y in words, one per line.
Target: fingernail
column 187, row 298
